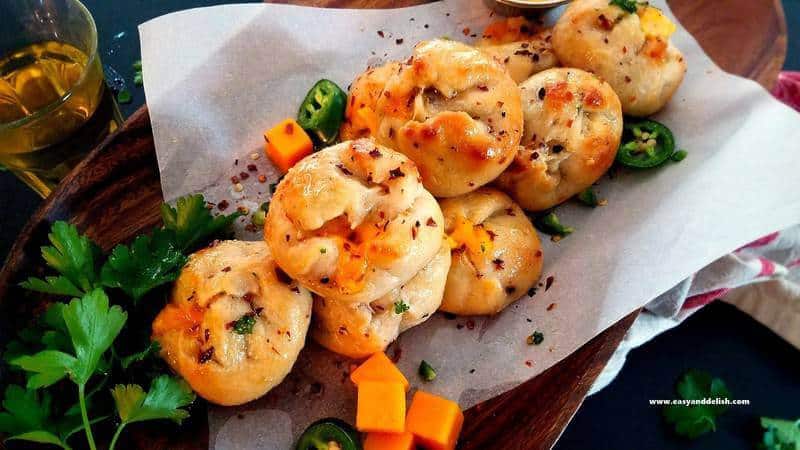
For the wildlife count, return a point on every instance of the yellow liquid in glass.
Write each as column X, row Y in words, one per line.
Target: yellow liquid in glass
column 54, row 108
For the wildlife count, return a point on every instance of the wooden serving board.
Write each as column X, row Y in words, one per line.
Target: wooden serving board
column 115, row 194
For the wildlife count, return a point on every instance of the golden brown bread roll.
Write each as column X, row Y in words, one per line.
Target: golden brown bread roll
column 573, row 125
column 230, row 283
column 450, row 108
column 496, row 253
column 631, row 51
column 360, row 119
column 358, row 330
column 519, row 46
column 353, row 221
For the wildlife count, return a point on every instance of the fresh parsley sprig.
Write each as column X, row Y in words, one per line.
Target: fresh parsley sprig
column 696, row 420
column 192, row 222
column 780, row 434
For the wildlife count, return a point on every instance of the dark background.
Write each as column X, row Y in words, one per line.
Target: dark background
column 755, row 363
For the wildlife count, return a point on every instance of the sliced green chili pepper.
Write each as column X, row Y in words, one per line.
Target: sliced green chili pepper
column 550, row 224
column 322, row 433
column 322, row 111
column 645, row 144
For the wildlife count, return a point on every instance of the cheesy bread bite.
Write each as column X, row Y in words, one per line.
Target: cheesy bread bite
column 235, row 322
column 573, row 126
column 519, row 46
column 358, row 330
column 629, row 50
column 451, row 109
column 496, row 253
column 353, row 221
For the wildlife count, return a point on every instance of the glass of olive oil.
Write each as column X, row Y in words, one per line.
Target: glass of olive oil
column 54, row 103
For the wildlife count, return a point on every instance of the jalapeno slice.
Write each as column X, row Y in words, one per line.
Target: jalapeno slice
column 329, row 434
column 322, row 111
column 645, row 144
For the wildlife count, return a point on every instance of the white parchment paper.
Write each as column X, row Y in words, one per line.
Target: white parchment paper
column 217, row 77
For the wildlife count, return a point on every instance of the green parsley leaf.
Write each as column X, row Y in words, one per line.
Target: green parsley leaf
column 151, row 350
column 696, row 420
column 26, row 416
column 92, row 327
column 192, row 222
column 400, row 307
column 74, row 256
column 138, row 80
column 164, row 400
column 59, row 285
column 426, row 371
column 137, row 65
column 244, row 325
column 124, row 96
column 780, row 434
column 148, row 262
column 626, row 5
column 588, row 197
column 550, row 224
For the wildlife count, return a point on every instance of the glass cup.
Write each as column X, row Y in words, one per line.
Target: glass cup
column 54, row 103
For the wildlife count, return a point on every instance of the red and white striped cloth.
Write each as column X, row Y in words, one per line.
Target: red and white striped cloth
column 761, row 278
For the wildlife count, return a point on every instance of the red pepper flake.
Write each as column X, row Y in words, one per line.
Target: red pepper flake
column 414, row 233
column 538, row 253
column 325, row 280
column 207, row 334
column 483, row 87
column 250, row 228
column 465, row 31
column 398, row 41
column 262, row 178
column 548, row 282
column 470, row 324
column 344, row 169
column 459, row 326
column 375, row 153
column 244, row 175
column 226, row 269
column 604, row 23
column 531, row 293
column 510, row 290
column 206, row 355
column 551, row 306
column 380, row 33
column 430, row 222
column 627, row 79
column 289, row 128
column 223, row 205
column 529, row 363
column 491, row 234
column 396, row 173
column 498, row 264
column 234, row 179
column 510, row 212
column 252, row 167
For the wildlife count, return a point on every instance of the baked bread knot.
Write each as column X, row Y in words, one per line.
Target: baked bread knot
column 235, row 322
column 353, row 221
column 496, row 253
column 358, row 330
column 632, row 51
column 573, row 126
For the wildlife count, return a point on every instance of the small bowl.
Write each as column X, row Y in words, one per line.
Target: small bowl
column 532, row 4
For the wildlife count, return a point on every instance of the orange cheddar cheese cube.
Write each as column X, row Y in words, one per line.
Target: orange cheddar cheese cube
column 378, row 367
column 381, row 407
column 434, row 421
column 286, row 144
column 389, row 441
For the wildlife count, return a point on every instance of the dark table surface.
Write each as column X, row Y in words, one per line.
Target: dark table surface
column 755, row 363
